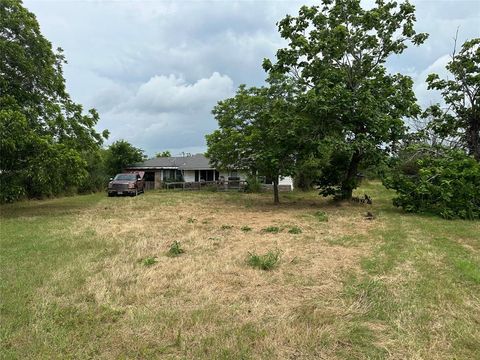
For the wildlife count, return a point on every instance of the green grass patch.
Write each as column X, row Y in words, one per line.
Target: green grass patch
column 295, row 230
column 149, row 261
column 266, row 261
column 272, row 229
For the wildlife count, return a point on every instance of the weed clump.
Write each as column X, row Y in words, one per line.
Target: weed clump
column 191, row 220
column 226, row 227
column 149, row 261
column 272, row 229
column 295, row 230
column 175, row 249
column 321, row 216
column 265, row 262
column 246, row 228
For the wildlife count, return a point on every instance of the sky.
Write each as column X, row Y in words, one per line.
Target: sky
column 155, row 69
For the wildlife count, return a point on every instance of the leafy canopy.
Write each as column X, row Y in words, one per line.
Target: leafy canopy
column 44, row 135
column 257, row 132
column 120, row 154
column 337, row 53
column 461, row 93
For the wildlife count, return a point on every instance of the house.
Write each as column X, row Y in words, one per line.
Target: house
column 190, row 169
column 194, row 168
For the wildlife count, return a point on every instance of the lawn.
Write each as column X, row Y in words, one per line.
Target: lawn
column 95, row 277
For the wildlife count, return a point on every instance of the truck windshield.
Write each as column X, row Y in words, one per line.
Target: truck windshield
column 130, row 177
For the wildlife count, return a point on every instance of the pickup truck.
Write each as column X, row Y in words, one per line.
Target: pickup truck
column 126, row 184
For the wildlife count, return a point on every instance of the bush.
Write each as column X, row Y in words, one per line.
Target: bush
column 265, row 262
column 441, row 181
column 246, row 228
column 175, row 249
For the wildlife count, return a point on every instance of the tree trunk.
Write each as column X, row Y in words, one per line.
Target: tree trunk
column 350, row 181
column 473, row 138
column 276, row 198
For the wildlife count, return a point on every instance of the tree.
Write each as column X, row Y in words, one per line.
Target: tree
column 120, row 154
column 165, row 153
column 257, row 132
column 44, row 134
column 462, row 96
column 337, row 52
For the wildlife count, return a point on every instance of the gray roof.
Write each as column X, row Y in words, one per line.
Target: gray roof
column 194, row 162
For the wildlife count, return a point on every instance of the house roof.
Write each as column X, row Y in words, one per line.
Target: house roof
column 194, row 162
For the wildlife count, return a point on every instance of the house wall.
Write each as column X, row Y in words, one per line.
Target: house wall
column 286, row 181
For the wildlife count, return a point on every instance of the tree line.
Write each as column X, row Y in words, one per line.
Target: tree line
column 48, row 143
column 331, row 110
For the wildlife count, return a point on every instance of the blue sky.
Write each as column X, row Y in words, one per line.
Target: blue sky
column 155, row 69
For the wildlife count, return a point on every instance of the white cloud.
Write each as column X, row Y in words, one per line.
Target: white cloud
column 166, row 112
column 173, row 94
column 428, row 97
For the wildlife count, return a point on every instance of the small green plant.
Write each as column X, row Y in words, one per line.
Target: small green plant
column 226, row 227
column 191, row 220
column 149, row 261
column 265, row 262
column 246, row 228
column 253, row 185
column 272, row 229
column 295, row 230
column 321, row 216
column 175, row 249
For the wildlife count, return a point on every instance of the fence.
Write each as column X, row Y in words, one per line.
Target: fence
column 215, row 185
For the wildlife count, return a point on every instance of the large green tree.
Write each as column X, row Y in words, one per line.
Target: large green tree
column 257, row 132
column 337, row 52
column 120, row 154
column 461, row 93
column 44, row 134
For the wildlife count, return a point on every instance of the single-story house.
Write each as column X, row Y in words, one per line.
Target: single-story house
column 189, row 169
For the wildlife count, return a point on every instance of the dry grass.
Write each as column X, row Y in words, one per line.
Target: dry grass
column 342, row 290
column 210, row 290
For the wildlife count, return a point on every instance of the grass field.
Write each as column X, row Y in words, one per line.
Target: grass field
column 92, row 277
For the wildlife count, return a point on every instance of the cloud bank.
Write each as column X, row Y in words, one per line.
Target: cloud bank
column 155, row 69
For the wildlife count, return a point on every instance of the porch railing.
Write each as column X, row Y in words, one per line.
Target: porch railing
column 216, row 185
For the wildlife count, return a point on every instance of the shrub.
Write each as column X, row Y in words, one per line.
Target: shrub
column 175, row 249
column 321, row 216
column 272, row 229
column 295, row 230
column 226, row 227
column 246, row 228
column 191, row 220
column 265, row 262
column 441, row 181
column 253, row 185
